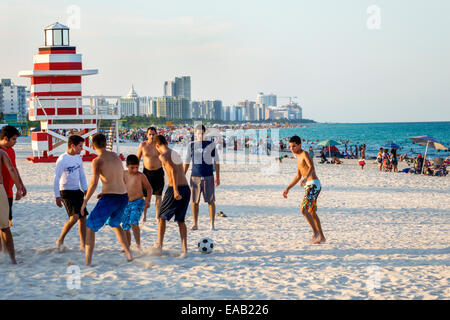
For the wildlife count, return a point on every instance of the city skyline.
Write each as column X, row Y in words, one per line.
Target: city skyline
column 340, row 70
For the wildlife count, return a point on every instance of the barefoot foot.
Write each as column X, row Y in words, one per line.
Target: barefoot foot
column 60, row 245
column 194, row 227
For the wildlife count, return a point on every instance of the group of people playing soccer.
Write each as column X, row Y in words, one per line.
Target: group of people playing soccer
column 126, row 194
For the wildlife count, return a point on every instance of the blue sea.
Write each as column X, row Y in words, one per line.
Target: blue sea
column 374, row 135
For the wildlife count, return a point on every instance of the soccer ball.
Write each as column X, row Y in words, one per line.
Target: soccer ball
column 205, row 245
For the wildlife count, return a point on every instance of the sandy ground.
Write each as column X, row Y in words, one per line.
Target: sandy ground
column 388, row 238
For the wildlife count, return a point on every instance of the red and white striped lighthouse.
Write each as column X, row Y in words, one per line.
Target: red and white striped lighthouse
column 56, row 96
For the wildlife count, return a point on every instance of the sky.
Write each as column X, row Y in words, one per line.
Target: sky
column 346, row 61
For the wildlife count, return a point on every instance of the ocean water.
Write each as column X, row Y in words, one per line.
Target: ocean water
column 375, row 134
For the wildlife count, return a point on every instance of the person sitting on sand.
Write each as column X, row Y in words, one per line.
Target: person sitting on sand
column 70, row 186
column 307, row 176
column 109, row 169
column 336, row 160
column 136, row 183
column 323, row 158
column 177, row 196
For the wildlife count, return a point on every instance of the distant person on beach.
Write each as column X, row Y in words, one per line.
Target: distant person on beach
column 114, row 198
column 380, row 159
column 177, row 196
column 152, row 169
column 8, row 138
column 394, row 160
column 362, row 162
column 5, row 232
column 136, row 182
column 205, row 158
column 70, row 186
column 311, row 153
column 306, row 174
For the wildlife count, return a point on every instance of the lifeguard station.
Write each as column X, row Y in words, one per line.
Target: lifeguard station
column 56, row 100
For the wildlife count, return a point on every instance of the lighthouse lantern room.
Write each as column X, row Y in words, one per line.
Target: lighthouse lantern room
column 56, row 100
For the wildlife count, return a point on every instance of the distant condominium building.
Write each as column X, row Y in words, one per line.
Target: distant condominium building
column 207, row 109
column 288, row 112
column 249, row 110
column 178, row 87
column 133, row 105
column 173, row 107
column 269, row 100
column 13, row 99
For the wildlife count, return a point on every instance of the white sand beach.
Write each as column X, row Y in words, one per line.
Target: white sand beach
column 387, row 238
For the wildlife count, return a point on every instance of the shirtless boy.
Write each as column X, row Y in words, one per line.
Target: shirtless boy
column 152, row 168
column 135, row 181
column 306, row 174
column 108, row 167
column 177, row 196
column 5, row 231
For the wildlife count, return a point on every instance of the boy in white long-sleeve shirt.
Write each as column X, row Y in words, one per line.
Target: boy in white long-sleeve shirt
column 69, row 174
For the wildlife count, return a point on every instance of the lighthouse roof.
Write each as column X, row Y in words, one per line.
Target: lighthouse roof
column 56, row 25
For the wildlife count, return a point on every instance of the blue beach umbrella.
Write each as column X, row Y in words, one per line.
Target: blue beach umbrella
column 428, row 142
column 390, row 145
column 328, row 143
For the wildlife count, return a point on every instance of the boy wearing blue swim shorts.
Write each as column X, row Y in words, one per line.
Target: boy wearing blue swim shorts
column 307, row 176
column 135, row 181
column 108, row 168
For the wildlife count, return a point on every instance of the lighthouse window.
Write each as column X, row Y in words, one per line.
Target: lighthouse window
column 57, row 37
column 48, row 37
column 65, row 37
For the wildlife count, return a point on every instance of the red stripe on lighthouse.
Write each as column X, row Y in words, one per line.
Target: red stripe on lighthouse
column 55, row 94
column 56, row 79
column 58, row 66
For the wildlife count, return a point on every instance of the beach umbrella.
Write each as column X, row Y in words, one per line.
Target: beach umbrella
column 390, row 145
column 329, row 143
column 428, row 142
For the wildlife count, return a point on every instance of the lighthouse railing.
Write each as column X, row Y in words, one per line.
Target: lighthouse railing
column 96, row 107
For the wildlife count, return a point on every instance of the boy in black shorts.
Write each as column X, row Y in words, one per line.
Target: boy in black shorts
column 177, row 196
column 69, row 174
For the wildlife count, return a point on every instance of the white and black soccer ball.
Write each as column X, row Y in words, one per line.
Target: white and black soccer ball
column 205, row 245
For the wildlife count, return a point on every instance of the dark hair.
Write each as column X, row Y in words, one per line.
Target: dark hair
column 152, row 128
column 394, row 152
column 99, row 140
column 160, row 140
column 9, row 132
column 295, row 139
column 200, row 126
column 74, row 140
column 132, row 159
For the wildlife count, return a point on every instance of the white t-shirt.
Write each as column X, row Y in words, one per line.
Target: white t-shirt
column 69, row 173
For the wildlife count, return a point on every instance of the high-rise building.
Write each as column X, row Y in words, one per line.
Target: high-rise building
column 178, row 87
column 173, row 107
column 249, row 109
column 195, row 108
column 268, row 100
column 207, row 109
column 13, row 99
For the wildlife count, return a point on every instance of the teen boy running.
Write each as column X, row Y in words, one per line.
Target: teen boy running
column 306, row 174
